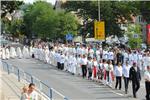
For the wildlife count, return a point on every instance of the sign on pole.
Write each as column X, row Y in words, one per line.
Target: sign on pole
column 69, row 36
column 135, row 35
column 99, row 30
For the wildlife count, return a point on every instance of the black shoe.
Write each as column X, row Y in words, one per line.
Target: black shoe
column 134, row 96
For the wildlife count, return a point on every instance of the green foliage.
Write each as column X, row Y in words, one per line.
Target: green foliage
column 134, row 29
column 16, row 27
column 110, row 12
column 9, row 6
column 44, row 22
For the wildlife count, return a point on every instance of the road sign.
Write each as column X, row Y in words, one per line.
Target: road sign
column 135, row 35
column 99, row 30
column 69, row 36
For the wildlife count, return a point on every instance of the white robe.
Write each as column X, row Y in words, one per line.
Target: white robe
column 3, row 53
column 46, row 55
column 7, row 53
column 74, row 65
column 79, row 70
column 26, row 53
column 31, row 50
column 12, row 52
column 19, row 52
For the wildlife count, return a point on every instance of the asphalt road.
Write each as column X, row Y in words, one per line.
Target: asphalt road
column 74, row 87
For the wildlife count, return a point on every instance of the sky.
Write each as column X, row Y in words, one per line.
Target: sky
column 31, row 1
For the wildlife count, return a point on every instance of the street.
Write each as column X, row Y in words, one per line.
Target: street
column 74, row 87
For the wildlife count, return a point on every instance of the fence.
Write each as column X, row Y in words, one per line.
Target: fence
column 42, row 88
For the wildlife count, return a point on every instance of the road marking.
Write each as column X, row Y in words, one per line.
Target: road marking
column 117, row 93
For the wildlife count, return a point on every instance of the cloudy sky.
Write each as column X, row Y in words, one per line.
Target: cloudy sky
column 31, row 1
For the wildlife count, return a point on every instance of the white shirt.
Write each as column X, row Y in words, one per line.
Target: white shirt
column 147, row 75
column 126, row 70
column 111, row 55
column 84, row 61
column 89, row 64
column 33, row 96
column 118, row 71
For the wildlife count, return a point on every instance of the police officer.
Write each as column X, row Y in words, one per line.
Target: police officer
column 135, row 76
column 147, row 82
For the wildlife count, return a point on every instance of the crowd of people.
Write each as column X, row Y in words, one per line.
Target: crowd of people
column 90, row 61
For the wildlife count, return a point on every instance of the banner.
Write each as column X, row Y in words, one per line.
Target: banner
column 148, row 34
column 99, row 30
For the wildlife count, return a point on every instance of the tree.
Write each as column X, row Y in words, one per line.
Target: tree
column 135, row 35
column 9, row 7
column 16, row 27
column 43, row 21
column 110, row 12
column 145, row 10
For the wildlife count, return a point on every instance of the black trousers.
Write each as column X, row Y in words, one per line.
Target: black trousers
column 58, row 65
column 107, row 74
column 84, row 70
column 118, row 80
column 147, row 86
column 90, row 72
column 126, row 83
column 135, row 87
column 61, row 66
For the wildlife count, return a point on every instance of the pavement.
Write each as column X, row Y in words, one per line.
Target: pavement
column 72, row 86
column 10, row 88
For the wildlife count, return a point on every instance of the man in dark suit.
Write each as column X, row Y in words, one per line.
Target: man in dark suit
column 135, row 76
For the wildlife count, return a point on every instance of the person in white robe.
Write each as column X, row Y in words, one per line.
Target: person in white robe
column 12, row 52
column 74, row 65
column 62, row 61
column 19, row 53
column 31, row 51
column 3, row 53
column 66, row 63
column 7, row 53
column 35, row 51
column 46, row 54
column 26, row 53
column 79, row 70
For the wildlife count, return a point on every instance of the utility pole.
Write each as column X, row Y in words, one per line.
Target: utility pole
column 99, row 10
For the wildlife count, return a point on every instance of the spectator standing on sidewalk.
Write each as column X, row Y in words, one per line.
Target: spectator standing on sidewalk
column 135, row 76
column 147, row 82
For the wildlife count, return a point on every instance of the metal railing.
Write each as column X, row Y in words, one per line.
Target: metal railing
column 42, row 88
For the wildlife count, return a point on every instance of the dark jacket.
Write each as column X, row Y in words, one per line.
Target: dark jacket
column 134, row 75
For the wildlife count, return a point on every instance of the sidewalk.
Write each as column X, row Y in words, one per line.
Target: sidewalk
column 10, row 88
